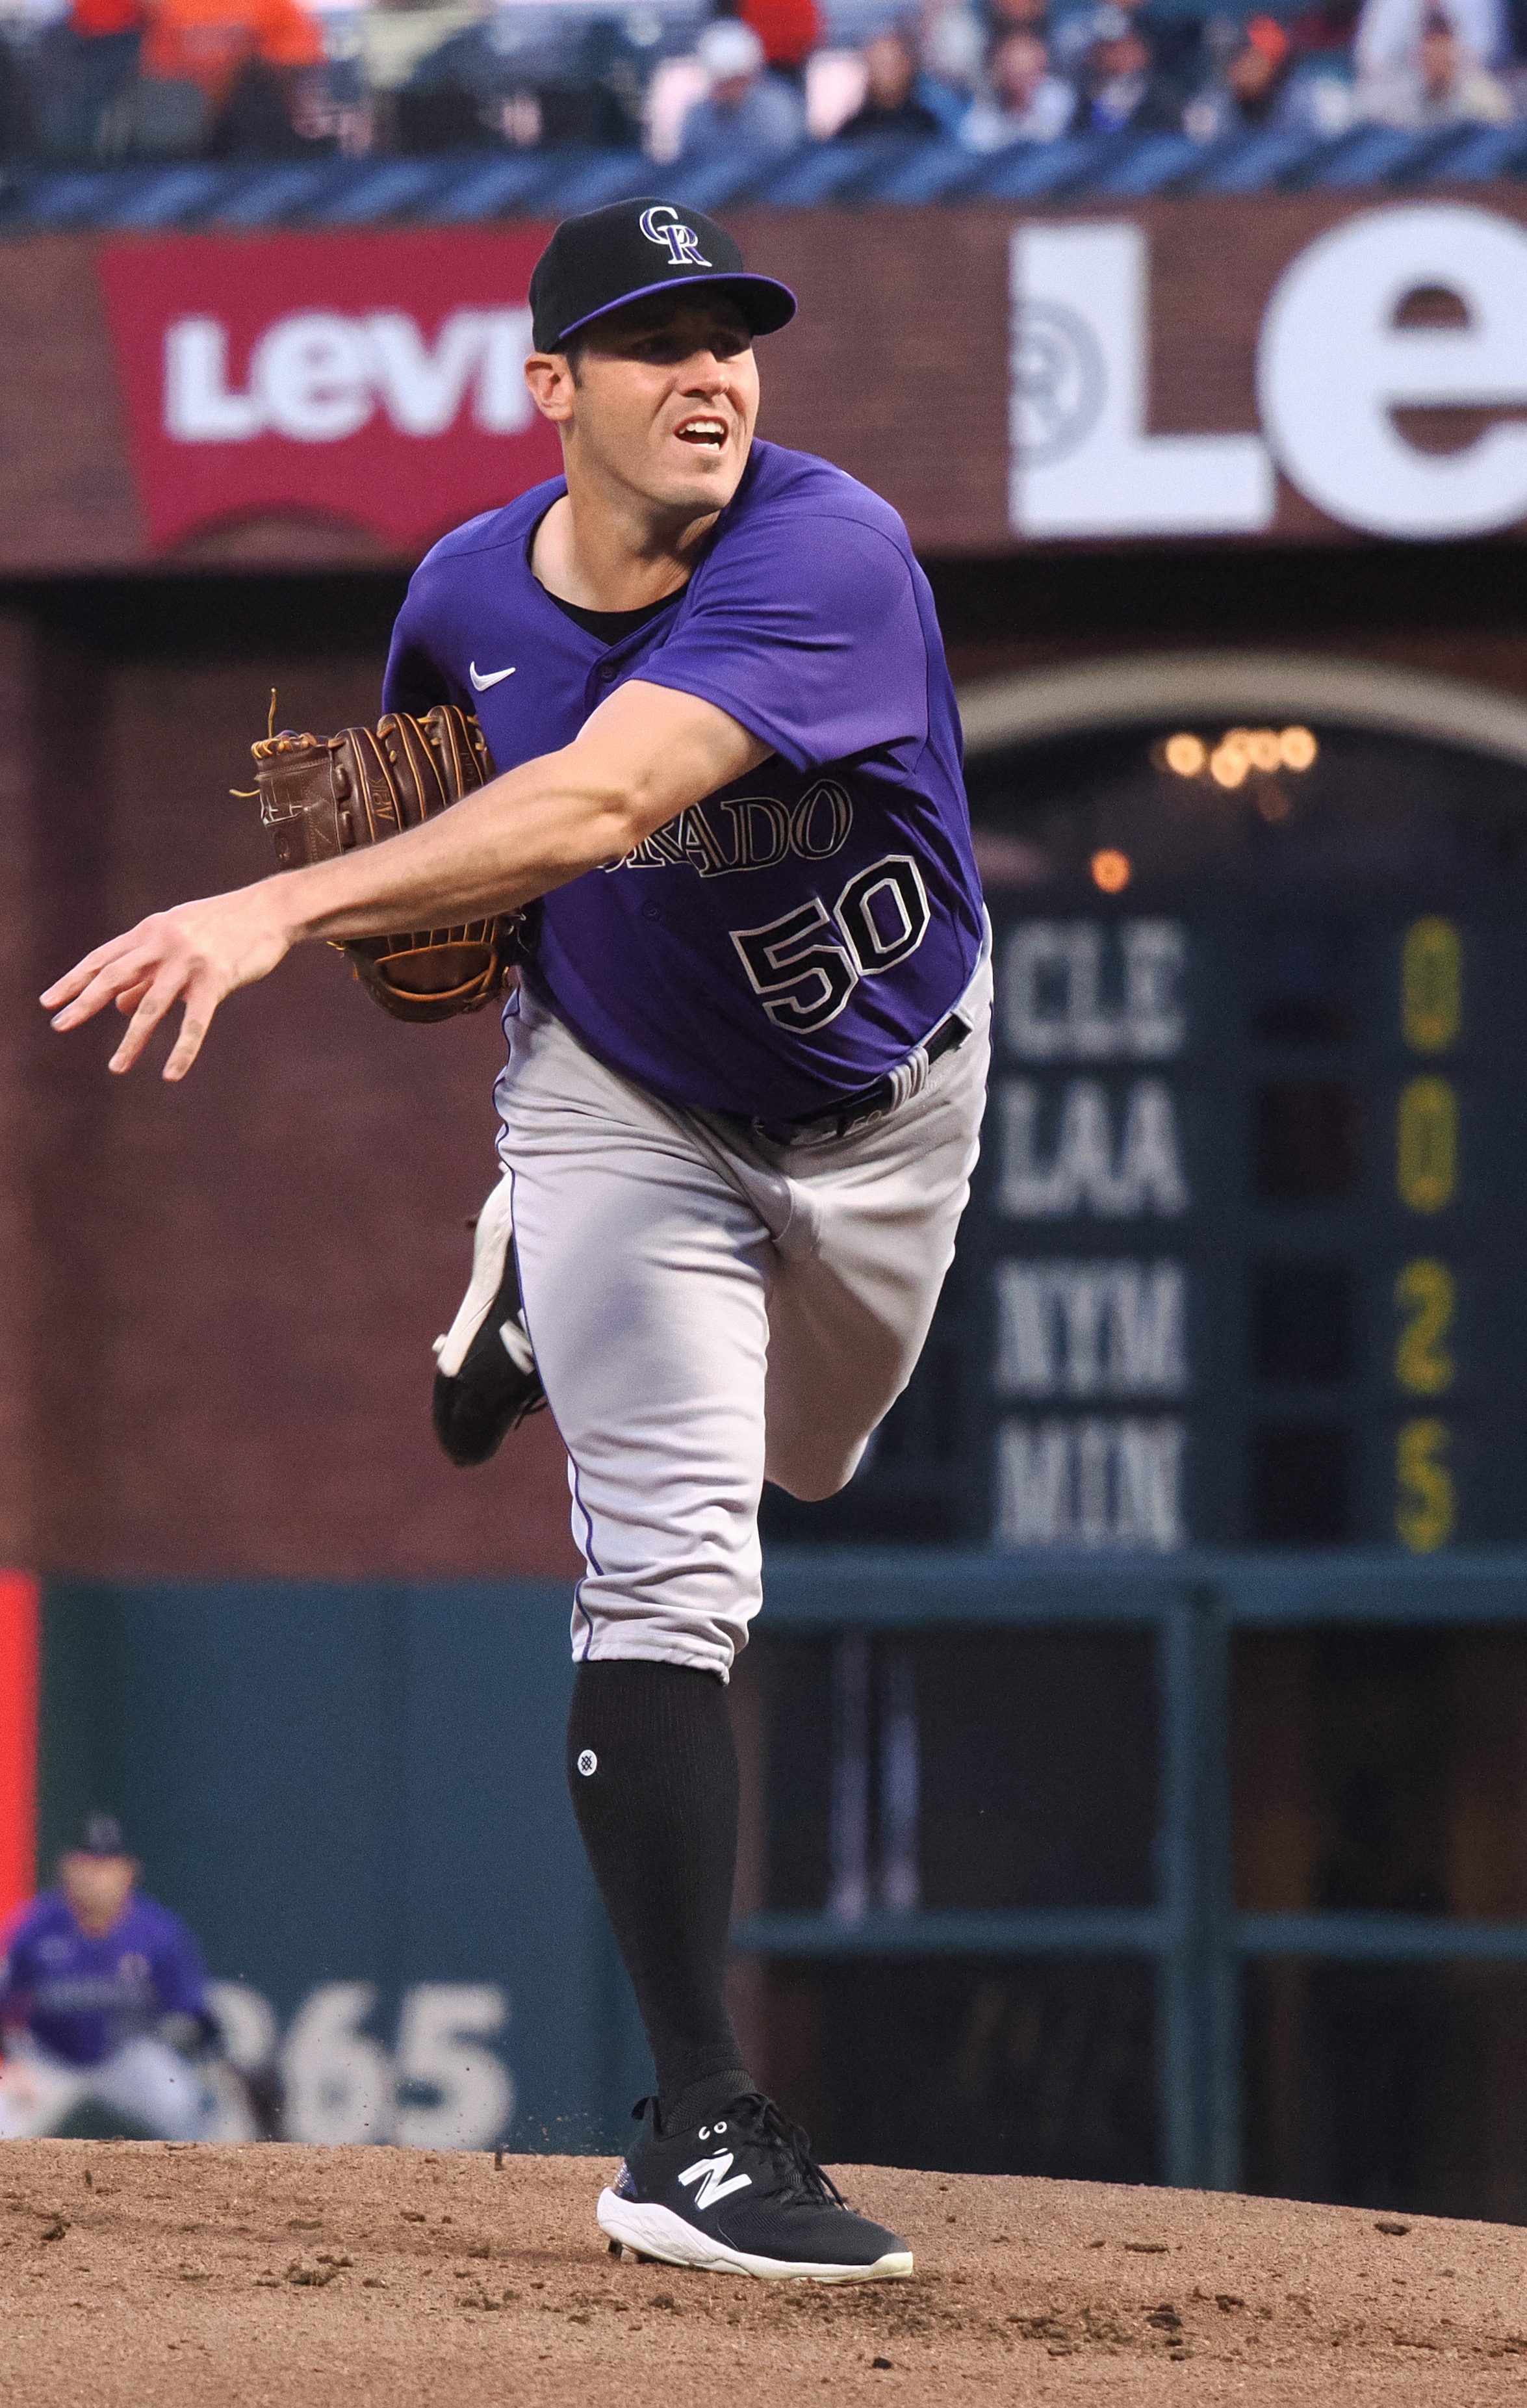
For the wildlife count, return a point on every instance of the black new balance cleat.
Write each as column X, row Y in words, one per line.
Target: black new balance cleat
column 743, row 2194
column 487, row 1381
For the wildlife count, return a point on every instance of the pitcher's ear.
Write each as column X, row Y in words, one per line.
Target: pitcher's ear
column 552, row 380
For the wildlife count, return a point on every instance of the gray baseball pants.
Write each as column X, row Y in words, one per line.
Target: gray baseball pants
column 710, row 1311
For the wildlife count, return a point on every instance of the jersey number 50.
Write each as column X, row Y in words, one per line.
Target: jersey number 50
column 802, row 978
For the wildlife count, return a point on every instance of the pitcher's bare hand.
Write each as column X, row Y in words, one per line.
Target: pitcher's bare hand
column 194, row 954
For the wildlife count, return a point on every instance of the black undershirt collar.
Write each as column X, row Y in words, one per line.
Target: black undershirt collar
column 610, row 626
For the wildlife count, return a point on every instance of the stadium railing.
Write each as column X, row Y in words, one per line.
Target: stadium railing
column 1198, row 1939
column 474, row 186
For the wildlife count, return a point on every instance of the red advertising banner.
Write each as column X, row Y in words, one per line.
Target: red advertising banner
column 375, row 379
column 19, row 1617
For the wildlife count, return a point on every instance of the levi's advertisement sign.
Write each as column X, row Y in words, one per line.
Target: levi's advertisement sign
column 377, row 379
column 1292, row 368
column 1389, row 351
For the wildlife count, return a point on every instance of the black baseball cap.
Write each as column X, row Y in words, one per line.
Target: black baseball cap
column 597, row 263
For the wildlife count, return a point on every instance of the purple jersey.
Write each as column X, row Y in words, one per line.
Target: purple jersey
column 83, row 1998
column 797, row 933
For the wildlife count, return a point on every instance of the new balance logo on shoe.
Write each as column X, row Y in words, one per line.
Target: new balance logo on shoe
column 713, row 2186
column 793, row 2228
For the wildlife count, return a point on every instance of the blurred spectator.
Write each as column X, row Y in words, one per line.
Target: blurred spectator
column 1257, row 72
column 953, row 49
column 1021, row 101
column 86, row 67
column 1179, row 60
column 609, row 72
column 1442, row 84
column 790, row 31
column 470, row 88
column 60, row 68
column 398, row 80
column 101, row 1996
column 1260, row 80
column 747, row 110
column 229, row 77
column 892, row 103
column 1248, row 88
column 452, row 100
column 1120, row 81
column 1389, row 35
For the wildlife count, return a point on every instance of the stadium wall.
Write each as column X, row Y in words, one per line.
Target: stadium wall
column 1264, row 370
column 354, row 1794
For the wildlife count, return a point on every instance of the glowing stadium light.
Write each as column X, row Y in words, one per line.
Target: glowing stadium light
column 1111, row 872
column 1239, row 750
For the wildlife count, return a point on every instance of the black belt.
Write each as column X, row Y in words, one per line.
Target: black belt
column 867, row 1104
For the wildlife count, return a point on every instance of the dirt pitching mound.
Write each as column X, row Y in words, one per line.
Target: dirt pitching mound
column 280, row 2277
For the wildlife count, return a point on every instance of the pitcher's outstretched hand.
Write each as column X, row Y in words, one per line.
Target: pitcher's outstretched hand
column 195, row 953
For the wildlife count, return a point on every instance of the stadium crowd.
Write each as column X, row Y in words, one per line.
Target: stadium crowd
column 103, row 81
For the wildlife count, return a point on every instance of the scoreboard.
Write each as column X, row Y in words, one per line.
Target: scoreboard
column 1243, row 1263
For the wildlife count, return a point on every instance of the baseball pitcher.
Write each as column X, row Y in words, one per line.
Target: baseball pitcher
column 746, row 1057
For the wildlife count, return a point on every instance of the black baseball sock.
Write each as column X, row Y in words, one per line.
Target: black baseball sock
column 653, row 1768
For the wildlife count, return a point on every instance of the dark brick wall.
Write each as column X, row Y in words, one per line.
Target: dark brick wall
column 18, row 1010
column 216, row 1300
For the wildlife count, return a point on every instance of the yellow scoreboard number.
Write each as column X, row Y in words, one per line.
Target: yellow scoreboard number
column 1425, row 1294
column 1426, row 1177
column 1432, row 985
column 1426, row 1506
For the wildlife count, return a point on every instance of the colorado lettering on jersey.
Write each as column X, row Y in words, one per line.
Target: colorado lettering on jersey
column 91, row 1991
column 760, row 832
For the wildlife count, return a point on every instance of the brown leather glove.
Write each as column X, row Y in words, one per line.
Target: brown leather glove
column 320, row 796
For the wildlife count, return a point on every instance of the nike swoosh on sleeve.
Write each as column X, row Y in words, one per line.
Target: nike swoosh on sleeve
column 494, row 676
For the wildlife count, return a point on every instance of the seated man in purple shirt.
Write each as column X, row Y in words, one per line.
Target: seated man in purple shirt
column 103, row 1996
column 744, row 1084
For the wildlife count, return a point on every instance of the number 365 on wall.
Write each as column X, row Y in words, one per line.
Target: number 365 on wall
column 442, row 2086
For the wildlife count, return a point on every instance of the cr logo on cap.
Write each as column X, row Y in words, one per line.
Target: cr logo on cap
column 662, row 224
